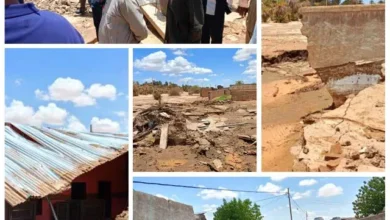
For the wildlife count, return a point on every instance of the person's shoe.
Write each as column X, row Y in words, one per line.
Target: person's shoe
column 80, row 12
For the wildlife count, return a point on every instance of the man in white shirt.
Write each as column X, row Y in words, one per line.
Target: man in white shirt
column 122, row 23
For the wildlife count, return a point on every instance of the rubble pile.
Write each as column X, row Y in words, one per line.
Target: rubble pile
column 201, row 132
column 349, row 138
column 59, row 6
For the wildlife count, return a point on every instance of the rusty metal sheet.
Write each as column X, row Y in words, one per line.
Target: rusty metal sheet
column 44, row 161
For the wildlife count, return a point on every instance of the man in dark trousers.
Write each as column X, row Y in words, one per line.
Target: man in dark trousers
column 185, row 19
column 214, row 21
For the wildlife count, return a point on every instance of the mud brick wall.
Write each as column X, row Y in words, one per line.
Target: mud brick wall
column 204, row 92
column 243, row 95
column 217, row 93
column 243, row 87
column 341, row 34
column 149, row 207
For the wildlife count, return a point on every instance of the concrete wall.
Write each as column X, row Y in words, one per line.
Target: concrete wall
column 149, row 207
column 243, row 95
column 341, row 34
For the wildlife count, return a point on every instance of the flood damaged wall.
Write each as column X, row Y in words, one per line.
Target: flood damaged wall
column 341, row 34
column 149, row 207
column 243, row 95
column 217, row 93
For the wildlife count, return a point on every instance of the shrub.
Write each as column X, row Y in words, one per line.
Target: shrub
column 135, row 90
column 282, row 13
column 175, row 91
column 157, row 96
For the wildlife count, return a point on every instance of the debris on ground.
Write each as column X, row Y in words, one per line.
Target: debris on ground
column 198, row 136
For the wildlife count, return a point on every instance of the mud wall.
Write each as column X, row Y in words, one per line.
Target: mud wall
column 149, row 207
column 204, row 92
column 243, row 87
column 380, row 216
column 243, row 95
column 341, row 34
column 217, row 93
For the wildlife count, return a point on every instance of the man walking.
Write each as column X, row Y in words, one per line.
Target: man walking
column 185, row 19
column 122, row 23
column 214, row 20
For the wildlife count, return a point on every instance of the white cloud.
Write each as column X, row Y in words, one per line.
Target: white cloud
column 102, row 91
column 180, row 52
column 299, row 195
column 308, row 182
column 217, row 194
column 104, row 125
column 251, row 69
column 179, row 65
column 73, row 90
column 121, row 113
column 17, row 112
column 74, row 124
column 278, row 178
column 271, row 188
column 330, row 190
column 244, row 54
column 18, row 82
column 209, row 208
column 148, row 80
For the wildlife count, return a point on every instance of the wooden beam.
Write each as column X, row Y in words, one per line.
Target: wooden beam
column 156, row 18
column 164, row 136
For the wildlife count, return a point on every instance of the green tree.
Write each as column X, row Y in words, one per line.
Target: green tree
column 238, row 209
column 371, row 198
column 381, row 2
column 239, row 82
column 372, row 2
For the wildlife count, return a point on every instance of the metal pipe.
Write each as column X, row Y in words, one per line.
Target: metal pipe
column 52, row 208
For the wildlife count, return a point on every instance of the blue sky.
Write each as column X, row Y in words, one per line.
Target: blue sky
column 320, row 197
column 203, row 67
column 68, row 88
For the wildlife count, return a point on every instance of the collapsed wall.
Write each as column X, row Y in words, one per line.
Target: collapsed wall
column 149, row 207
column 346, row 46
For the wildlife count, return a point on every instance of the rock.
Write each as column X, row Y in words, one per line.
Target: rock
column 382, row 164
column 371, row 152
column 335, row 149
column 333, row 163
column 346, row 143
column 376, row 161
column 305, row 150
column 165, row 115
column 204, row 142
column 351, row 165
column 332, row 156
column 205, row 121
column 218, row 164
column 355, row 155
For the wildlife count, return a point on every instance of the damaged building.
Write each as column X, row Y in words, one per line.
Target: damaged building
column 57, row 174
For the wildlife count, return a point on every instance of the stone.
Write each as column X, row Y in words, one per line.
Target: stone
column 333, row 163
column 305, row 150
column 354, row 155
column 346, row 143
column 335, row 149
column 324, row 169
column 332, row 156
column 376, row 161
column 299, row 167
column 218, row 164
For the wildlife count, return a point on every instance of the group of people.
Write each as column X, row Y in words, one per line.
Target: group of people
column 122, row 21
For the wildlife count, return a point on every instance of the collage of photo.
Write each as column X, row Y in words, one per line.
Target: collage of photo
column 163, row 110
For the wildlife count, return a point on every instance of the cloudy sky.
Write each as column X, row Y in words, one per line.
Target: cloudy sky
column 320, row 197
column 203, row 67
column 68, row 88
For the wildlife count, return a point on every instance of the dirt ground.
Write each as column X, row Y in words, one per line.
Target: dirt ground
column 234, row 32
column 301, row 131
column 203, row 135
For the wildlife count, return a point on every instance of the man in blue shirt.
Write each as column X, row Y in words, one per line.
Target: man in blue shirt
column 25, row 24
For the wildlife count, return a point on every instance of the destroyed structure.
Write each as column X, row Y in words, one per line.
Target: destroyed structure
column 346, row 47
column 199, row 136
column 70, row 175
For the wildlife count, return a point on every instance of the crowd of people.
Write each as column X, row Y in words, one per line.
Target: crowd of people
column 122, row 21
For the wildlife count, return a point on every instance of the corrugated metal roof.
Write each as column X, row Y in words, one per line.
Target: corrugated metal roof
column 44, row 161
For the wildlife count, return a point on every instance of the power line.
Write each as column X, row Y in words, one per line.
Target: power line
column 279, row 197
column 273, row 197
column 198, row 187
column 298, row 205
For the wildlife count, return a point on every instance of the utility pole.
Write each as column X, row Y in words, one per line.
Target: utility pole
column 90, row 128
column 289, row 202
column 307, row 217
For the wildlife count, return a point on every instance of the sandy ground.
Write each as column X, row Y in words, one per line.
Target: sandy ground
column 278, row 38
column 203, row 135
